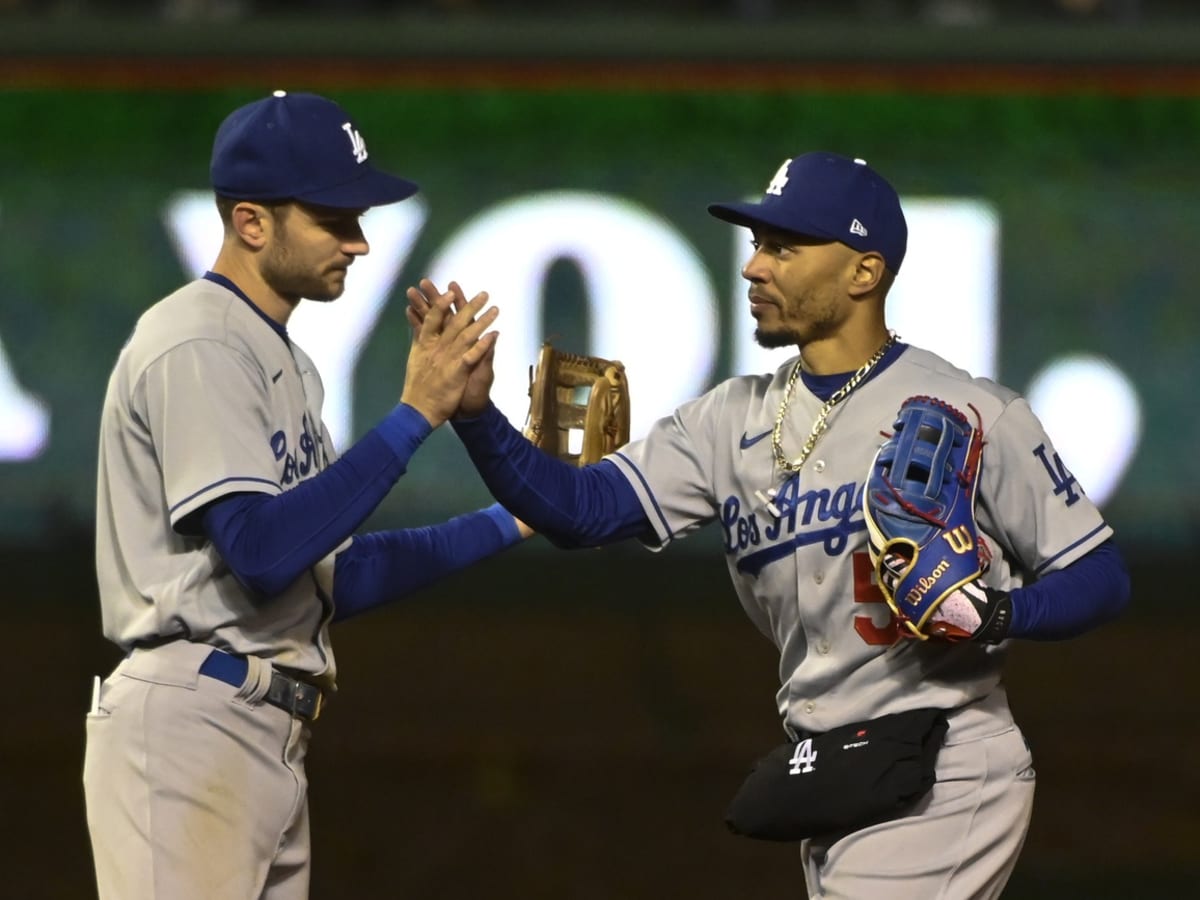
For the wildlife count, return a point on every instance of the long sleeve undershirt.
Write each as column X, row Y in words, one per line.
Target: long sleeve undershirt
column 382, row 566
column 268, row 541
column 596, row 505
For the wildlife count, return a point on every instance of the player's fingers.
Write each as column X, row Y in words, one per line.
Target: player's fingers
column 418, row 304
column 474, row 305
column 460, row 311
column 436, row 319
column 475, row 329
column 428, row 288
column 460, row 299
column 467, row 313
column 414, row 321
column 419, row 294
column 425, row 291
column 482, row 349
column 426, row 295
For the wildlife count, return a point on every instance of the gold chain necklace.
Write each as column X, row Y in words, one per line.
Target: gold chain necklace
column 820, row 424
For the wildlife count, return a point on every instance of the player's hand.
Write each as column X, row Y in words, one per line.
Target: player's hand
column 450, row 340
column 420, row 298
column 477, row 390
column 973, row 612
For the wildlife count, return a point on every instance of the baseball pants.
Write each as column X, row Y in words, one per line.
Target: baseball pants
column 961, row 842
column 194, row 788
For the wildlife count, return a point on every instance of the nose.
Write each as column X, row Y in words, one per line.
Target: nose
column 356, row 243
column 754, row 270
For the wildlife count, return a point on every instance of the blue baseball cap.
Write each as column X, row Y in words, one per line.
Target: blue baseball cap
column 299, row 147
column 829, row 196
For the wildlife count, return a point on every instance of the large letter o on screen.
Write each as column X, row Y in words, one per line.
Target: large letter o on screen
column 650, row 302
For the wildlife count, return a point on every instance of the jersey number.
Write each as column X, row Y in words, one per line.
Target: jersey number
column 867, row 591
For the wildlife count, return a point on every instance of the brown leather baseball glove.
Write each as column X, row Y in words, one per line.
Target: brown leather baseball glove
column 578, row 405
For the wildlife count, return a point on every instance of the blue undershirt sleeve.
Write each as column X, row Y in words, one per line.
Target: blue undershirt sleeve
column 268, row 541
column 1091, row 591
column 386, row 565
column 571, row 506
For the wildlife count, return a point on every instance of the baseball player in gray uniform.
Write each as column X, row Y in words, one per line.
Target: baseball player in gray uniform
column 779, row 461
column 226, row 523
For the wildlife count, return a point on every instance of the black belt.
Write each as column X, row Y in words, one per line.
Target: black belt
column 289, row 694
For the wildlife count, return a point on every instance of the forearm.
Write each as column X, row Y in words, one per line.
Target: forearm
column 1091, row 591
column 383, row 566
column 572, row 506
column 269, row 541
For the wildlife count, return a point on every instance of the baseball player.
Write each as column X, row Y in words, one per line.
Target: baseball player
column 779, row 461
column 226, row 522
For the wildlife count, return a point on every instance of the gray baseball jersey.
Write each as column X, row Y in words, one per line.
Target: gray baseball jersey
column 805, row 578
column 172, row 441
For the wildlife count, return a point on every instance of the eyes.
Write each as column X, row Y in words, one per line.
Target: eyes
column 343, row 223
column 772, row 246
column 338, row 220
column 342, row 226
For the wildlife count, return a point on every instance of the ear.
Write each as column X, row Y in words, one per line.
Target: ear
column 252, row 223
column 868, row 275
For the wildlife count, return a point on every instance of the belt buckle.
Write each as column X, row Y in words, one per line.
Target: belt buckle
column 300, row 696
column 295, row 698
column 316, row 712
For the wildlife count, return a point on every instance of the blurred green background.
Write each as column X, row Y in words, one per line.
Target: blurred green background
column 1094, row 194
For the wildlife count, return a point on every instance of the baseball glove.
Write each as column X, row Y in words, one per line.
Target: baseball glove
column 919, row 506
column 578, row 406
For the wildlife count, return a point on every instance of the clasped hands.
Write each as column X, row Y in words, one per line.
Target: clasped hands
column 449, row 371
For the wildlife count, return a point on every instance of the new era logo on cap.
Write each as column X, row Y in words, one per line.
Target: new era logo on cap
column 829, row 196
column 299, row 147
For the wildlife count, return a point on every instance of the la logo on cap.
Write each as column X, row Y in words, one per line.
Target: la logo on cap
column 779, row 180
column 357, row 145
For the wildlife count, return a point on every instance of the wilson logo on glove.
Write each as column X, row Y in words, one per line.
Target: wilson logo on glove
column 927, row 583
column 960, row 540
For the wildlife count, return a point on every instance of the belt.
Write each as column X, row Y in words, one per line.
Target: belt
column 289, row 694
